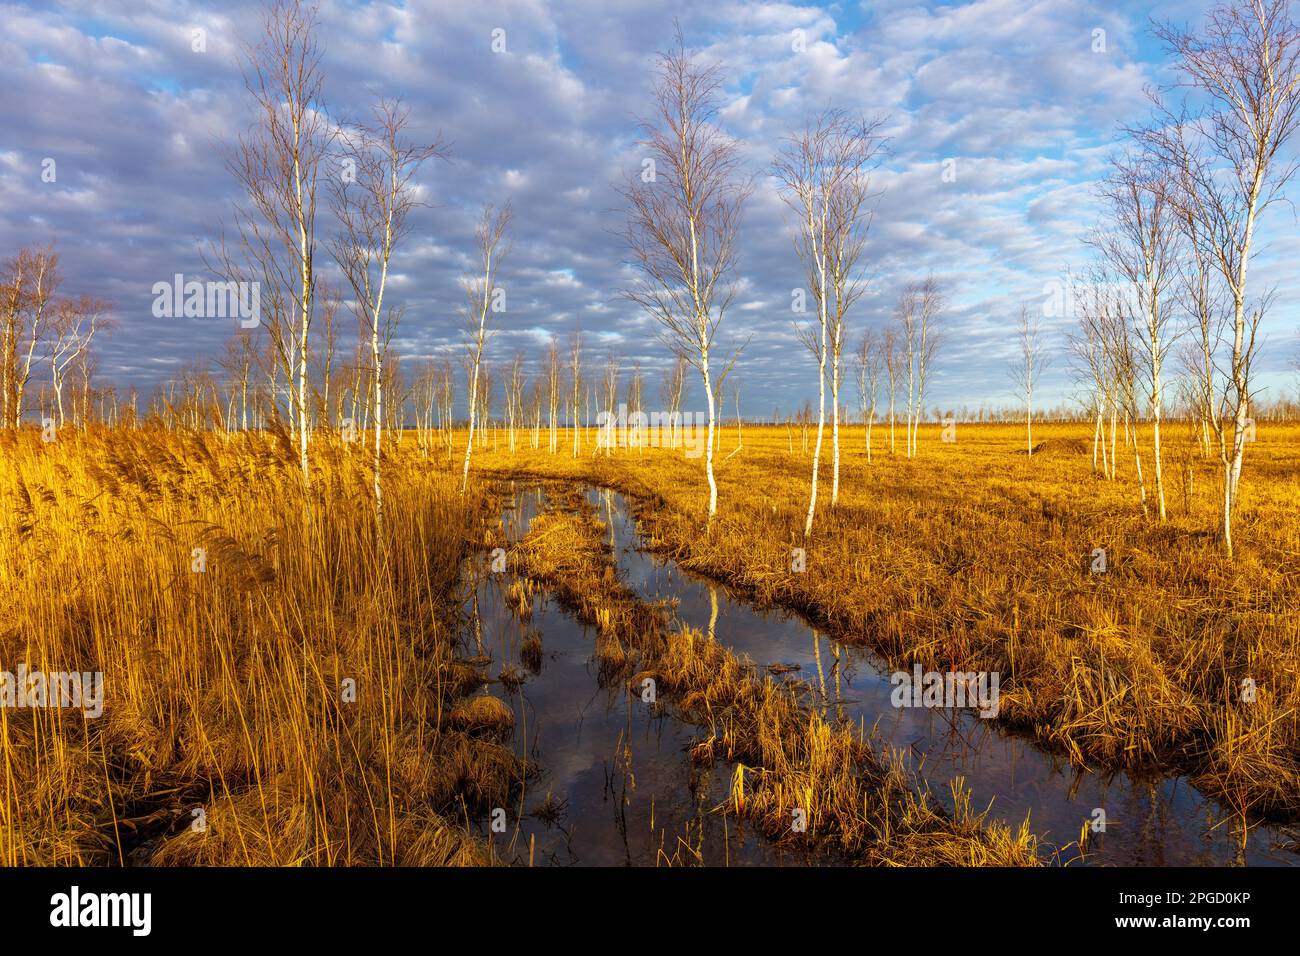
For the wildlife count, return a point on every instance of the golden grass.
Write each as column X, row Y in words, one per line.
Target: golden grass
column 225, row 689
column 975, row 555
column 227, row 694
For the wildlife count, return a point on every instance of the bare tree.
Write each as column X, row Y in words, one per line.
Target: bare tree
column 575, row 395
column 27, row 289
column 684, row 213
column 536, row 400
column 516, row 384
column 1228, row 167
column 673, row 386
column 422, row 401
column 740, row 438
column 609, row 386
column 635, row 391
column 1141, row 246
column 920, row 307
column 910, row 333
column 325, row 354
column 931, row 305
column 484, row 296
column 446, row 398
column 855, row 146
column 1027, row 368
column 889, row 347
column 554, row 381
column 1117, row 338
column 74, row 326
column 823, row 176
column 870, row 363
column 374, row 196
column 479, row 398
column 1089, row 346
column 277, row 163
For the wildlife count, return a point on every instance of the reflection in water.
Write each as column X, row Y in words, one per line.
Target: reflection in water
column 713, row 613
column 616, row 784
column 1150, row 821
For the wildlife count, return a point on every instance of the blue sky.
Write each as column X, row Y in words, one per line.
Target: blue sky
column 1012, row 91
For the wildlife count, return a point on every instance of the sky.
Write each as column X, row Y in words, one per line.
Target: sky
column 1017, row 101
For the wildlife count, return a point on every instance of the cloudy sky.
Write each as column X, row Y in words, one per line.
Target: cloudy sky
column 1012, row 92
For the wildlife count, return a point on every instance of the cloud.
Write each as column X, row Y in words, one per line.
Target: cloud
column 1012, row 92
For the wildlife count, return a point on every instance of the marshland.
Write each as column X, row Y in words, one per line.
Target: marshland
column 491, row 663
column 784, row 524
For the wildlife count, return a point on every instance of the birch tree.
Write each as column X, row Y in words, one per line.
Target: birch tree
column 930, row 310
column 822, row 174
column 870, row 362
column 1226, row 150
column 325, row 353
column 635, row 393
column 484, row 297
column 684, row 213
column 237, row 361
column 446, row 399
column 920, row 307
column 27, row 290
column 575, row 390
column 374, row 197
column 1089, row 345
column 609, row 389
column 554, row 384
column 889, row 349
column 516, row 385
column 277, row 163
column 1141, row 245
column 909, row 333
column 536, row 400
column 1027, row 368
column 71, row 332
column 1117, row 337
column 673, row 387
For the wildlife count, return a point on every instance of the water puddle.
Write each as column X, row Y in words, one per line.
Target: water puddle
column 1150, row 821
column 616, row 785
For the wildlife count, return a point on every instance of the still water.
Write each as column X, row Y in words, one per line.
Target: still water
column 616, row 784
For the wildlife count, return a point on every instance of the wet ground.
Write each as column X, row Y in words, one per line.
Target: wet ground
column 616, row 784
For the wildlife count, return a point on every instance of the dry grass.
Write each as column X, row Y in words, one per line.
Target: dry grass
column 226, row 690
column 975, row 555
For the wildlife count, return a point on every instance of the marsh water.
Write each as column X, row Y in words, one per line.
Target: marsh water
column 616, row 785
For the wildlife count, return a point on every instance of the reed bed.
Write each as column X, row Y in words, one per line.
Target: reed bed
column 302, row 700
column 296, row 701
